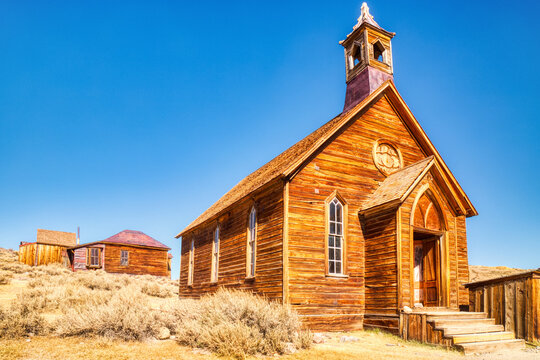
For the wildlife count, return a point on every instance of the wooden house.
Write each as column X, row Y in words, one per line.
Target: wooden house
column 353, row 224
column 129, row 252
column 50, row 247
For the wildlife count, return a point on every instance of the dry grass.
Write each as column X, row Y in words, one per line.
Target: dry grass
column 234, row 323
column 91, row 304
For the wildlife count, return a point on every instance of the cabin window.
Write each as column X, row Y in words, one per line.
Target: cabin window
column 94, row 256
column 191, row 262
column 215, row 255
column 335, row 237
column 252, row 242
column 124, row 258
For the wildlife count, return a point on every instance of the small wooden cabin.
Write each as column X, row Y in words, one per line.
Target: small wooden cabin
column 351, row 224
column 129, row 252
column 513, row 301
column 50, row 247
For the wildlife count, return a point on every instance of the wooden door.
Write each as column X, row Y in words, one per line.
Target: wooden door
column 425, row 272
column 430, row 273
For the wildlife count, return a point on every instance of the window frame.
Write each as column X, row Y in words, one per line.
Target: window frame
column 214, row 275
column 122, row 257
column 251, row 243
column 344, row 224
column 90, row 257
column 191, row 263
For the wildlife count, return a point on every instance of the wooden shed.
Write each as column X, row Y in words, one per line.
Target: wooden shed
column 513, row 301
column 129, row 252
column 50, row 247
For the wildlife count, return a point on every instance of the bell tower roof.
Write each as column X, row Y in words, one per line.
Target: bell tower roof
column 366, row 17
column 368, row 58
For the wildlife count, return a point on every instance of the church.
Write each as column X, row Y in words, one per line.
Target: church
column 350, row 226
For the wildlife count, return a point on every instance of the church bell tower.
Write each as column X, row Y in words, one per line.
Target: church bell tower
column 368, row 58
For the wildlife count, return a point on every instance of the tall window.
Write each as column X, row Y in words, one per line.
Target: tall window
column 252, row 242
column 94, row 256
column 191, row 262
column 335, row 237
column 215, row 255
column 124, row 257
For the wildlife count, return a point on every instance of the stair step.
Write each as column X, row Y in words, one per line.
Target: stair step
column 463, row 322
column 470, row 329
column 480, row 337
column 491, row 346
column 456, row 315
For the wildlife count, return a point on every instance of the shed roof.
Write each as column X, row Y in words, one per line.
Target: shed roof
column 287, row 163
column 134, row 237
column 54, row 237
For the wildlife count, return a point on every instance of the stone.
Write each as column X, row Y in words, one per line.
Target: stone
column 407, row 310
column 289, row 348
column 344, row 339
column 163, row 334
column 318, row 338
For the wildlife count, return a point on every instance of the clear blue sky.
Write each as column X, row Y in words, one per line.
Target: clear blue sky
column 139, row 115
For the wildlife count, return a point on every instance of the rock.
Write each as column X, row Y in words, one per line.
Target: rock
column 348, row 339
column 172, row 337
column 318, row 338
column 289, row 348
column 407, row 310
column 163, row 334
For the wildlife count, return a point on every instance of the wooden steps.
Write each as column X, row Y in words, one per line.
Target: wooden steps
column 491, row 346
column 471, row 332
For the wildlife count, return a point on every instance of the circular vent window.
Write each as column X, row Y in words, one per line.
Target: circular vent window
column 387, row 157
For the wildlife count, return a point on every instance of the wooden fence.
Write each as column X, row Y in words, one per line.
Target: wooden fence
column 513, row 301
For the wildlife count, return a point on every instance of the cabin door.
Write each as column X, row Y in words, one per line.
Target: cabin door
column 426, row 270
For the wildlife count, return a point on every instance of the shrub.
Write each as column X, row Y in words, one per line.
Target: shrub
column 5, row 277
column 125, row 316
column 236, row 323
column 154, row 289
column 19, row 321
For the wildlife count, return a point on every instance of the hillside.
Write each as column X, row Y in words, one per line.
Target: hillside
column 480, row 273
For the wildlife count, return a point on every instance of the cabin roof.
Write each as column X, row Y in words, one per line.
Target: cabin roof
column 398, row 185
column 129, row 237
column 53, row 237
column 291, row 160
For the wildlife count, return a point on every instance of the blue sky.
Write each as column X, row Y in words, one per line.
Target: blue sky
column 139, row 115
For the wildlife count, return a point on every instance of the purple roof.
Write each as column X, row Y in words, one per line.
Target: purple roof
column 132, row 237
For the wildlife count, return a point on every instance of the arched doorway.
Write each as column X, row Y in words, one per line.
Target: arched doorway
column 428, row 230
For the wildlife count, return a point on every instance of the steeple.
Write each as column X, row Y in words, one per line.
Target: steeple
column 368, row 58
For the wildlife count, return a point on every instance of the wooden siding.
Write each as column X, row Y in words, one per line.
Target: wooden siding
column 513, row 301
column 42, row 254
column 377, row 258
column 141, row 261
column 233, row 224
column 345, row 165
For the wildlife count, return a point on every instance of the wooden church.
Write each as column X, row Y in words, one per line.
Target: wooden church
column 350, row 226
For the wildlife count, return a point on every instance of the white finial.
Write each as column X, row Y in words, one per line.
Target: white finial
column 365, row 16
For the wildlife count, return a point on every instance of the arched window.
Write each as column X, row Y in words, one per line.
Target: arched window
column 191, row 262
column 252, row 242
column 215, row 255
column 335, row 237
